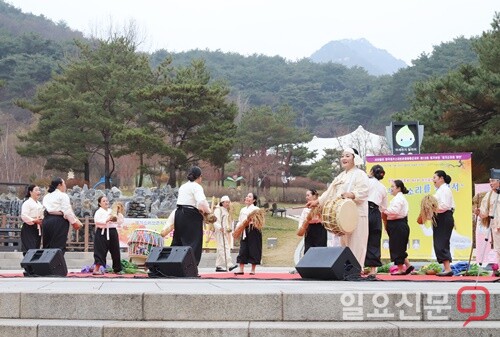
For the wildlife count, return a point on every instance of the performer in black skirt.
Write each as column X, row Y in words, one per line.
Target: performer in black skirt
column 310, row 224
column 249, row 230
column 58, row 216
column 106, row 237
column 398, row 229
column 441, row 233
column 188, row 223
column 32, row 216
column 377, row 202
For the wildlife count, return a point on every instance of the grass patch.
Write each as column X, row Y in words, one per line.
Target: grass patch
column 285, row 230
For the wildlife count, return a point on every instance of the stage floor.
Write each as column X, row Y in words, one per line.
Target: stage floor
column 270, row 273
column 263, row 274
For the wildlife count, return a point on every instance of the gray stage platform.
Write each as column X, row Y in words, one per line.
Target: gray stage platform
column 41, row 307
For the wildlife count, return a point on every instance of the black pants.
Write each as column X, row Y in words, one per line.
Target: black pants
column 374, row 236
column 30, row 238
column 188, row 230
column 316, row 236
column 102, row 246
column 250, row 247
column 441, row 235
column 399, row 232
column 55, row 231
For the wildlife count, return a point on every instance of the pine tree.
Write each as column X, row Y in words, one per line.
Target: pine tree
column 84, row 109
column 193, row 115
column 461, row 110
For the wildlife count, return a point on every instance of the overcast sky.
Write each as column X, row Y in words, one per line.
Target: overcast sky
column 290, row 28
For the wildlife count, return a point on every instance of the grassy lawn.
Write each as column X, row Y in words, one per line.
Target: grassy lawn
column 284, row 230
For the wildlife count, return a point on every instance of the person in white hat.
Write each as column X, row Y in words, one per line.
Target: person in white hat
column 490, row 210
column 223, row 229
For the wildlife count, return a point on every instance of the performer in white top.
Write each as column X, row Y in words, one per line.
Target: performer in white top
column 490, row 209
column 223, row 236
column 58, row 215
column 106, row 236
column 444, row 221
column 249, row 231
column 188, row 223
column 398, row 229
column 310, row 224
column 32, row 216
column 351, row 183
column 377, row 202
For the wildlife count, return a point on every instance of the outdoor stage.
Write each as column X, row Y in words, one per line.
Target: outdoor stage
column 271, row 303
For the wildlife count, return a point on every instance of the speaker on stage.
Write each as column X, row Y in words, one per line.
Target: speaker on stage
column 176, row 261
column 44, row 262
column 328, row 263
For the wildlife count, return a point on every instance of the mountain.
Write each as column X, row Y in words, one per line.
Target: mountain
column 359, row 53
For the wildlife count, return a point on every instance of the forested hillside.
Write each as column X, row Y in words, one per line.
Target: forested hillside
column 328, row 98
column 30, row 49
column 292, row 100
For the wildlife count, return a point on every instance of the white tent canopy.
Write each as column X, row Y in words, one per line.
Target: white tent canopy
column 365, row 142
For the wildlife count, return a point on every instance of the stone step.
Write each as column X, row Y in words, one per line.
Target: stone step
column 230, row 300
column 112, row 328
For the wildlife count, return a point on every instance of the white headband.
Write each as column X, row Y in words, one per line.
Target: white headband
column 357, row 159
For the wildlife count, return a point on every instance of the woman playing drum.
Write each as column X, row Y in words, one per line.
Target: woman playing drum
column 188, row 223
column 351, row 184
column 310, row 224
column 398, row 229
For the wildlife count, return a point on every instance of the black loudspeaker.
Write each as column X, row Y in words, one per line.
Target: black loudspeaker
column 44, row 262
column 328, row 263
column 172, row 262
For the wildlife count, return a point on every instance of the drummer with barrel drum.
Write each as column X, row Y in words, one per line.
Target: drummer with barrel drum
column 345, row 205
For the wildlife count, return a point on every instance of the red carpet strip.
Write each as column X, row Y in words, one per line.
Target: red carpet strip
column 288, row 276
